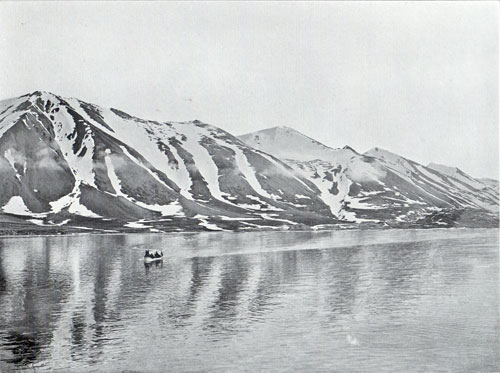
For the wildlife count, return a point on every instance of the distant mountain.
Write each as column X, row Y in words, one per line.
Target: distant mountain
column 70, row 166
column 287, row 143
column 380, row 187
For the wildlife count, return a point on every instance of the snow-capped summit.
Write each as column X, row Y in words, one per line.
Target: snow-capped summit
column 288, row 143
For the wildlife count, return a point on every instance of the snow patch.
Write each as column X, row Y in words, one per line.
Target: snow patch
column 16, row 206
column 72, row 202
column 10, row 157
column 51, row 224
column 113, row 177
column 14, row 157
column 204, row 223
column 357, row 203
column 235, row 219
column 136, row 224
column 172, row 209
column 270, row 217
column 39, row 222
column 247, row 170
column 300, row 196
column 81, row 166
column 263, row 205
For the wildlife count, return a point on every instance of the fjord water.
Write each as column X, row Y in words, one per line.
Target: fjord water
column 393, row 300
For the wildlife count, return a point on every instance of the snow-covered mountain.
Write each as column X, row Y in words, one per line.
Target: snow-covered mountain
column 381, row 187
column 67, row 165
column 70, row 163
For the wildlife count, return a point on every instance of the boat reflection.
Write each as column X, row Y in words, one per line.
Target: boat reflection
column 153, row 265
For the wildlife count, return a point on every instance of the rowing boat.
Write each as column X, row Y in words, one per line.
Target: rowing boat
column 150, row 257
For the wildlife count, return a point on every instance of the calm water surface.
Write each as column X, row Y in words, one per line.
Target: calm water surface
column 402, row 300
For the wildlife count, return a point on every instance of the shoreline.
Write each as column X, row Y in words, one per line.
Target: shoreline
column 11, row 236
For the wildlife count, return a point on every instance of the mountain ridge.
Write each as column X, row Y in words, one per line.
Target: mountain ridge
column 378, row 167
column 73, row 166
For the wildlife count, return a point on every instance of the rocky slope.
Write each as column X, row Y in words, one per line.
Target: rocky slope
column 71, row 166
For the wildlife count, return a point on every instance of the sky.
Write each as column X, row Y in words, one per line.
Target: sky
column 419, row 79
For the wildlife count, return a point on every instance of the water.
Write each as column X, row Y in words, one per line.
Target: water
column 264, row 301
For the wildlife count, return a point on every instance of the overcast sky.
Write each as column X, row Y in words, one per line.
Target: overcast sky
column 418, row 79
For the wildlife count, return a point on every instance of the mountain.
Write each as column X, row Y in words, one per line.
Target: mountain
column 380, row 187
column 71, row 166
column 65, row 162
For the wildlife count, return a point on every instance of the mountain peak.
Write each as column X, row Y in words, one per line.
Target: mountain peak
column 39, row 93
column 377, row 150
column 42, row 94
column 347, row 147
column 33, row 96
column 284, row 131
column 288, row 143
column 287, row 129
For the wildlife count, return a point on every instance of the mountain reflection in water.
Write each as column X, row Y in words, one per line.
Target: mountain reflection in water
column 306, row 301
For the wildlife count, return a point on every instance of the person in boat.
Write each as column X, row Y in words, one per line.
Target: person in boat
column 157, row 255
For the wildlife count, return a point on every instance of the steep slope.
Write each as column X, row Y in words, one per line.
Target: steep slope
column 491, row 182
column 64, row 161
column 379, row 187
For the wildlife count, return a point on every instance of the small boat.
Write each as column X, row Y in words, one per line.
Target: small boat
column 150, row 257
